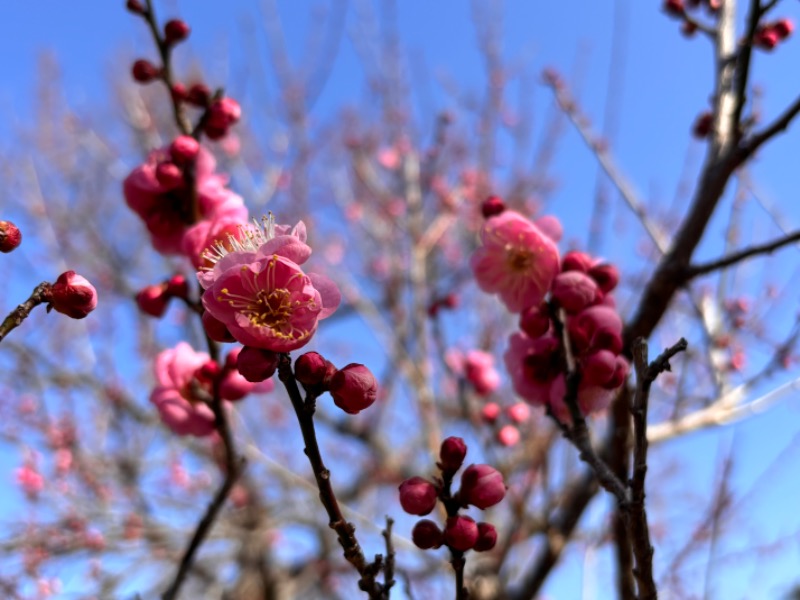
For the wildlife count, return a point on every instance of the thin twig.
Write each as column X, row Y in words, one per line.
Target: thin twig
column 40, row 294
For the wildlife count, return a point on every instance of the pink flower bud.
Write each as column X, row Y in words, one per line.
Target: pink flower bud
column 519, row 412
column 492, row 206
column 426, row 534
column 353, row 388
column 508, row 436
column 481, row 486
column 10, row 236
column 620, row 373
column 73, row 295
column 176, row 31
column 574, row 291
column 599, row 367
column 169, row 175
column 179, row 93
column 451, row 454
column 783, row 27
column 153, row 300
column 135, row 7
column 461, row 533
column 216, row 329
column 766, row 38
column 490, row 412
column 606, row 276
column 144, row 71
column 177, row 287
column 184, row 149
column 222, row 114
column 551, row 227
column 234, row 386
column 311, row 369
column 418, row 496
column 255, row 364
column 535, row 320
column 199, row 95
column 576, row 261
column 487, row 537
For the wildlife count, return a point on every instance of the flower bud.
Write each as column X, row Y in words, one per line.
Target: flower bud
column 153, row 300
column 135, row 7
column 576, row 261
column 783, row 27
column 176, row 30
column 481, row 486
column 223, row 113
column 144, row 71
column 702, row 126
column 487, row 537
column 426, row 534
column 177, row 287
column 10, row 236
column 199, row 95
column 311, row 369
column 353, row 388
column 234, row 386
column 492, row 206
column 508, row 436
column 73, row 295
column 490, row 412
column 599, row 367
column 461, row 533
column 535, row 320
column 169, row 175
column 418, row 496
column 674, row 7
column 606, row 276
column 216, row 329
column 519, row 412
column 184, row 149
column 574, row 291
column 179, row 93
column 451, row 455
column 255, row 364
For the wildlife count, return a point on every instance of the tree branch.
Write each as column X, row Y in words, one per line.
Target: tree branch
column 40, row 295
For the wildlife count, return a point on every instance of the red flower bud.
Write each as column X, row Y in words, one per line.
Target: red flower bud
column 255, row 364
column 223, row 113
column 606, row 276
column 574, row 291
column 535, row 320
column 783, row 27
column 492, row 206
column 169, row 175
column 135, row 7
column 576, row 261
column 599, row 367
column 199, row 95
column 766, row 38
column 461, row 533
column 177, row 286
column 184, row 149
column 353, row 388
column 144, row 71
column 216, row 329
column 73, row 295
column 519, row 412
column 703, row 124
column 490, row 412
column 481, row 486
column 10, row 236
column 418, row 496
column 426, row 534
column 179, row 93
column 153, row 300
column 451, row 454
column 674, row 7
column 311, row 369
column 176, row 31
column 487, row 537
column 508, row 436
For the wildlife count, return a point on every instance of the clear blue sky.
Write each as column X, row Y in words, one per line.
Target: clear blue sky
column 664, row 83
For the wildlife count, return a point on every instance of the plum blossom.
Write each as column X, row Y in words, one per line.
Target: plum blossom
column 517, row 261
column 177, row 394
column 257, row 289
column 163, row 204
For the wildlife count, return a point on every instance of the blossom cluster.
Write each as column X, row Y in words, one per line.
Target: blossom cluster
column 482, row 486
column 521, row 264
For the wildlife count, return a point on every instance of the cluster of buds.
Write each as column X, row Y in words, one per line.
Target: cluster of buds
column 175, row 31
column 507, row 422
column 353, row 387
column 10, row 236
column 476, row 367
column 768, row 35
column 519, row 261
column 154, row 299
column 482, row 486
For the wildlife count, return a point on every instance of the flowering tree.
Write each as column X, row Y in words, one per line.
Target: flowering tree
column 253, row 409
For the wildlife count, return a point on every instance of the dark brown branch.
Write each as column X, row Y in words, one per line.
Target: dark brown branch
column 693, row 271
column 304, row 410
column 780, row 124
column 639, row 530
column 744, row 60
column 40, row 295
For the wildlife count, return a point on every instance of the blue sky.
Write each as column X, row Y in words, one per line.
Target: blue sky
column 663, row 83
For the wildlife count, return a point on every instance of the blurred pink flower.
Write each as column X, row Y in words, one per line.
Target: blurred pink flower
column 259, row 292
column 30, row 480
column 162, row 205
column 516, row 261
column 480, row 372
column 176, row 395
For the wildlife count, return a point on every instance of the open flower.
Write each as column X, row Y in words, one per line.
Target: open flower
column 257, row 289
column 517, row 261
column 177, row 395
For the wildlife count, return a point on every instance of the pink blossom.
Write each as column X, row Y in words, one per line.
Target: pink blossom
column 508, row 436
column 529, row 363
column 480, row 372
column 163, row 208
column 259, row 292
column 516, row 261
column 574, row 291
column 30, row 480
column 205, row 234
column 177, row 392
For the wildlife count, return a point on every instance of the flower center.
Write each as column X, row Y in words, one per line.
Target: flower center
column 270, row 309
column 519, row 260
